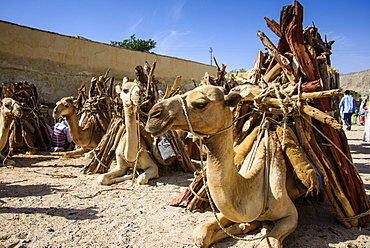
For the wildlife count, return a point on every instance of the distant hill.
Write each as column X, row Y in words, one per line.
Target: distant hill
column 357, row 81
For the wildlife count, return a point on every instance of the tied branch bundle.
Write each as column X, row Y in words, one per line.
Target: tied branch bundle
column 99, row 103
column 293, row 89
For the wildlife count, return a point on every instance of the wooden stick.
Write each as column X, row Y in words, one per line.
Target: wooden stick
column 282, row 61
column 321, row 116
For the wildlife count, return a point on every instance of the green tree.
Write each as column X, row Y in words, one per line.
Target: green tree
column 240, row 70
column 135, row 44
column 355, row 94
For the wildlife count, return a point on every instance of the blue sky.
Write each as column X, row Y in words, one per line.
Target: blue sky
column 187, row 29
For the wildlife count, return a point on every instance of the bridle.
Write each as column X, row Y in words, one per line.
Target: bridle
column 200, row 136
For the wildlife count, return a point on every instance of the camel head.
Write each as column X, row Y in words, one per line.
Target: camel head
column 207, row 108
column 11, row 108
column 130, row 92
column 64, row 107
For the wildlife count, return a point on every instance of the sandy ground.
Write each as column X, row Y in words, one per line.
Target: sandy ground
column 46, row 202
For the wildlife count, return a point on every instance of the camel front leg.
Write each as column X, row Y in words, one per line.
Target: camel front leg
column 282, row 228
column 116, row 175
column 78, row 151
column 146, row 163
column 206, row 234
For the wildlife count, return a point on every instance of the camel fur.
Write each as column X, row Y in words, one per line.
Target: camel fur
column 132, row 149
column 242, row 200
column 88, row 137
column 9, row 110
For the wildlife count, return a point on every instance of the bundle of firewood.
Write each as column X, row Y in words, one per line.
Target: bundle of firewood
column 100, row 102
column 104, row 153
column 32, row 131
column 294, row 86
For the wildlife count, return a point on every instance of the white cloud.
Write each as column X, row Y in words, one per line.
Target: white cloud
column 168, row 39
column 176, row 13
column 133, row 27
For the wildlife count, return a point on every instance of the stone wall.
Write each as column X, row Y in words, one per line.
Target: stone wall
column 58, row 65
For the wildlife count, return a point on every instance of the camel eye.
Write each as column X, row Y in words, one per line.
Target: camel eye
column 7, row 104
column 199, row 105
column 66, row 105
column 125, row 91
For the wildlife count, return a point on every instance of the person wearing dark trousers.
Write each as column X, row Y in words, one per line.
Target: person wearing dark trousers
column 347, row 107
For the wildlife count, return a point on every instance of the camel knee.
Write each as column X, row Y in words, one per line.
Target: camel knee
column 9, row 162
column 150, row 173
column 281, row 229
column 142, row 179
column 203, row 235
column 208, row 233
column 270, row 242
column 103, row 180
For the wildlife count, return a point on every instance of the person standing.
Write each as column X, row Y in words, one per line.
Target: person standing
column 365, row 106
column 347, row 107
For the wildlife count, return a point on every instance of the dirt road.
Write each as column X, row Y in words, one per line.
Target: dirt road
column 46, row 202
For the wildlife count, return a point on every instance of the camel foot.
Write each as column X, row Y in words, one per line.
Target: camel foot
column 32, row 151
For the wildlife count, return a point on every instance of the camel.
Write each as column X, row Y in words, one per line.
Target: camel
column 88, row 137
column 9, row 110
column 21, row 136
column 243, row 202
column 129, row 152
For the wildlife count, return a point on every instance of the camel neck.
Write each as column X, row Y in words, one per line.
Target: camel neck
column 220, row 157
column 225, row 183
column 132, row 139
column 74, row 128
column 4, row 132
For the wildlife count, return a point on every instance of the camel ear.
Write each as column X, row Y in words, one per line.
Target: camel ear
column 118, row 88
column 125, row 80
column 232, row 99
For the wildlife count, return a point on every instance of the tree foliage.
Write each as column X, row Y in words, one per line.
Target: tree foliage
column 135, row 44
column 355, row 94
column 240, row 70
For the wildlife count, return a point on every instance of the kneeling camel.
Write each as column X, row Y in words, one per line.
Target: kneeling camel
column 129, row 152
column 9, row 109
column 242, row 200
column 87, row 137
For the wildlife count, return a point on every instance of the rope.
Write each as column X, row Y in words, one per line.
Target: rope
column 24, row 136
column 196, row 194
column 354, row 217
column 138, row 152
column 331, row 142
column 99, row 161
